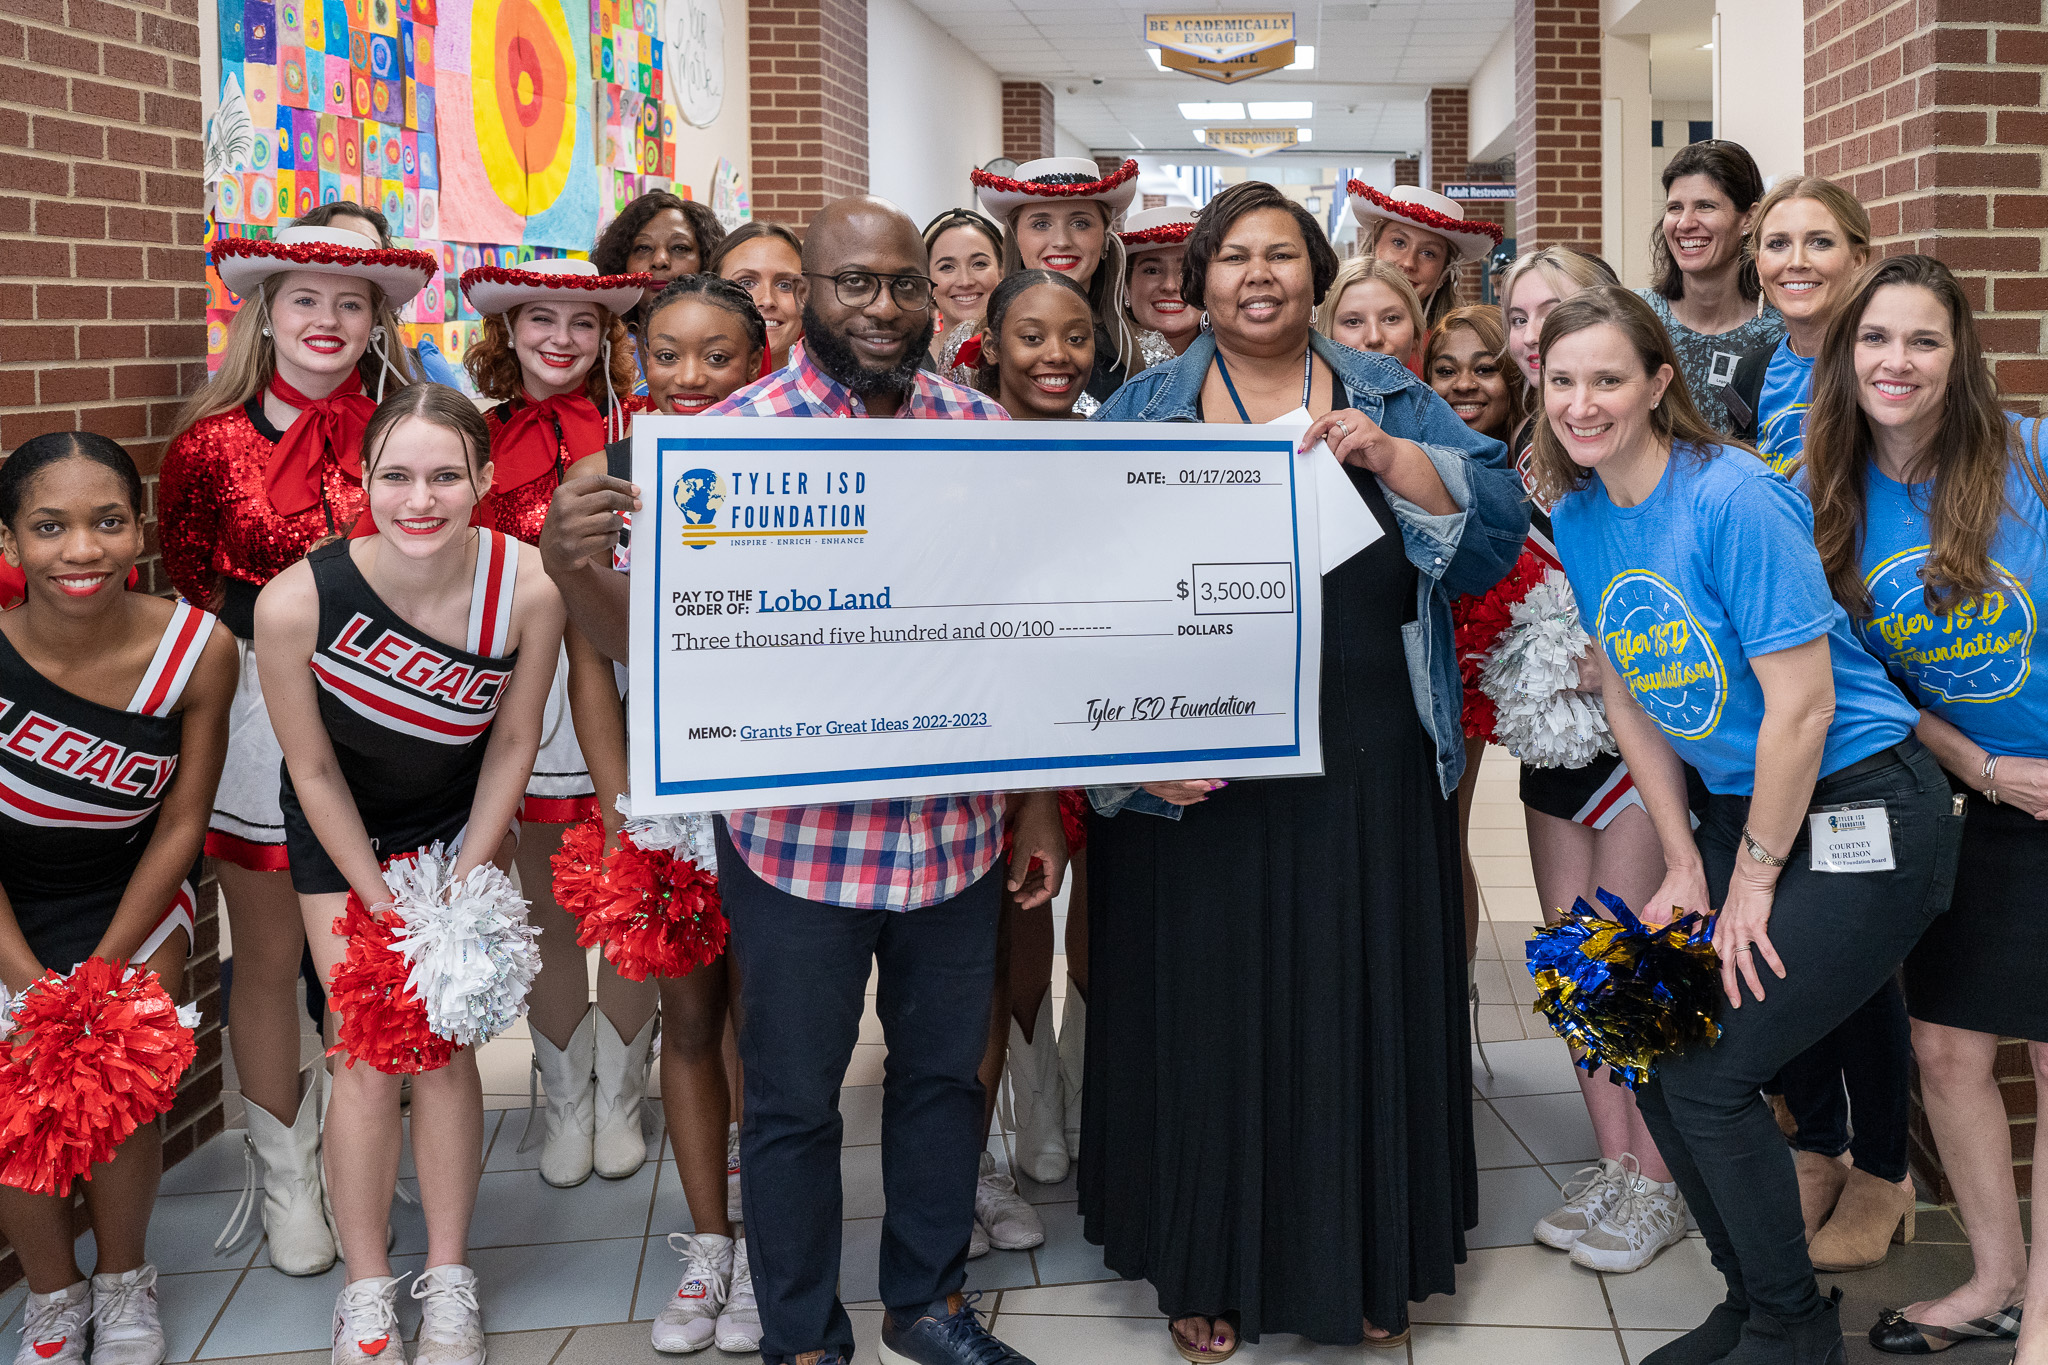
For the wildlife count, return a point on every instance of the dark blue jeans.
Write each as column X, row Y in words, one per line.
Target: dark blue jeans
column 804, row 974
column 1840, row 936
column 1851, row 1091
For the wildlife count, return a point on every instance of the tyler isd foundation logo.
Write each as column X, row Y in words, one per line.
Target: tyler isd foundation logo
column 698, row 494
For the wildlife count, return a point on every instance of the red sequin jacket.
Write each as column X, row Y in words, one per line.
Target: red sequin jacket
column 519, row 512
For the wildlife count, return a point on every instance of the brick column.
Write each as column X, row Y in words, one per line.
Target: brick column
column 1557, row 124
column 103, row 301
column 1931, row 114
column 808, row 98
column 1407, row 171
column 1444, row 160
column 1027, row 120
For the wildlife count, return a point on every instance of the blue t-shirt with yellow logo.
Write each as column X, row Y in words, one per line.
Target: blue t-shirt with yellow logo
column 1974, row 666
column 1781, row 409
column 1716, row 567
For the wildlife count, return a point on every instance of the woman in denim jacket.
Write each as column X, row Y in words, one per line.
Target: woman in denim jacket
column 1277, row 1123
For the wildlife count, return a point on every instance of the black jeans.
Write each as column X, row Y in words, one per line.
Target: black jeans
column 804, row 974
column 1851, row 1091
column 1840, row 936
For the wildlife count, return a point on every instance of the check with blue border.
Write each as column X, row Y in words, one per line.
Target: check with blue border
column 831, row 611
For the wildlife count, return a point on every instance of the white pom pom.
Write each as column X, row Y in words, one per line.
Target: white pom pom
column 10, row 1005
column 188, row 1015
column 1532, row 675
column 685, row 836
column 472, row 952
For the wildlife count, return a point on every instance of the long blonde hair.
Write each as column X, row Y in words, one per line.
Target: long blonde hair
column 1108, row 294
column 1357, row 270
column 250, row 358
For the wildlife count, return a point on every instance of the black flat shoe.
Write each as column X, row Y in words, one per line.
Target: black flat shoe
column 1894, row 1334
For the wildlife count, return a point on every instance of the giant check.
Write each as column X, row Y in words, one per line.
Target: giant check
column 843, row 610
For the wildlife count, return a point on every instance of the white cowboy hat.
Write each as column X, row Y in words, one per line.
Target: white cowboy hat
column 1425, row 209
column 1055, row 179
column 244, row 263
column 495, row 289
column 1156, row 229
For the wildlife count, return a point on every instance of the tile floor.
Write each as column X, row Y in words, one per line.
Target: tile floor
column 584, row 1296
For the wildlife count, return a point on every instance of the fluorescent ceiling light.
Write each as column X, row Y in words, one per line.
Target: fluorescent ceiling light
column 1217, row 109
column 1153, row 53
column 1305, row 134
column 1704, row 47
column 1283, row 109
column 1201, row 135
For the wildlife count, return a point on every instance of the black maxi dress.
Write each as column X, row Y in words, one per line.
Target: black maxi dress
column 1277, row 1117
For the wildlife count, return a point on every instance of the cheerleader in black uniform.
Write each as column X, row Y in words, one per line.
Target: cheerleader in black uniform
column 396, row 736
column 113, row 724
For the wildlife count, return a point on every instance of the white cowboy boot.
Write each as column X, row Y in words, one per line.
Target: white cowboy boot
column 1034, row 1070
column 294, row 1196
column 566, row 1075
column 620, row 1147
column 1073, row 1051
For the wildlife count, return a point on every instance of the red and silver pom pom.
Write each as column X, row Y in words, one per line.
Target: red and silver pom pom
column 382, row 1021
column 650, row 903
column 1532, row 675
column 90, row 1058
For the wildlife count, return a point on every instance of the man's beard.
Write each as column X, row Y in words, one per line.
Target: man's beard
column 836, row 357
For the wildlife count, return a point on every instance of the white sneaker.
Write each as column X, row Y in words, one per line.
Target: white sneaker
column 1012, row 1224
column 1647, row 1218
column 125, row 1327
column 366, row 1322
column 734, row 1213
column 739, row 1326
column 451, row 1324
column 690, row 1319
column 54, row 1331
column 1588, row 1196
column 977, row 1242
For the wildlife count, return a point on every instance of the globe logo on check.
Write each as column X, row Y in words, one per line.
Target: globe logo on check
column 698, row 494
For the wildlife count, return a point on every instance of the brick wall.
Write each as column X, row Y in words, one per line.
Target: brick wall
column 102, row 304
column 1444, row 152
column 1930, row 112
column 1027, row 120
column 1407, row 171
column 1557, row 123
column 808, row 99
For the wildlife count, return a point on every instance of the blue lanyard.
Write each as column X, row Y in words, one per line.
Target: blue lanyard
column 1308, row 360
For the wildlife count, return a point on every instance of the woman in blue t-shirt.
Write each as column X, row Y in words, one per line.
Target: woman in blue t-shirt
column 1809, row 239
column 1850, row 1093
column 1694, row 567
column 1929, row 515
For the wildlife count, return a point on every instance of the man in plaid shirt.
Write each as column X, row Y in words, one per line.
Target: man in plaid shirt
column 815, row 894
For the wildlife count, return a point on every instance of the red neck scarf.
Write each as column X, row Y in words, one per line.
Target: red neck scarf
column 525, row 448
column 326, row 429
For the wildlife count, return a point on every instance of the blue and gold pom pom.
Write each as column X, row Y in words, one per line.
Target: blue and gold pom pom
column 1623, row 993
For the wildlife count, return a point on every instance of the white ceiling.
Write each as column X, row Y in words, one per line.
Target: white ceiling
column 1375, row 63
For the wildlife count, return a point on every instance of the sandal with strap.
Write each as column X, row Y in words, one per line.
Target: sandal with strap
column 1894, row 1333
column 1200, row 1355
column 1389, row 1342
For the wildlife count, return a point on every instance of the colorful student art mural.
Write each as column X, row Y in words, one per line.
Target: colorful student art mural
column 490, row 132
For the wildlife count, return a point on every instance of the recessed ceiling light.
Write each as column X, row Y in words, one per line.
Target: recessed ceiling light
column 1283, row 109
column 1216, row 109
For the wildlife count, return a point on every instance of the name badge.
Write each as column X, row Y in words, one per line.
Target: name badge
column 1855, row 838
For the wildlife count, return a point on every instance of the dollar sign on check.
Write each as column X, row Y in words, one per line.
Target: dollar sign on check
column 1182, row 588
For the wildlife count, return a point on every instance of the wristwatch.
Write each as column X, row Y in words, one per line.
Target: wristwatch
column 1758, row 851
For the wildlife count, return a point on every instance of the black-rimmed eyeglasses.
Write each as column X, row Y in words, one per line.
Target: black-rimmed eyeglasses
column 858, row 288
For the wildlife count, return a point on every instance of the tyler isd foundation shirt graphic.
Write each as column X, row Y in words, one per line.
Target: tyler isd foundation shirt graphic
column 1714, row 568
column 1972, row 666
